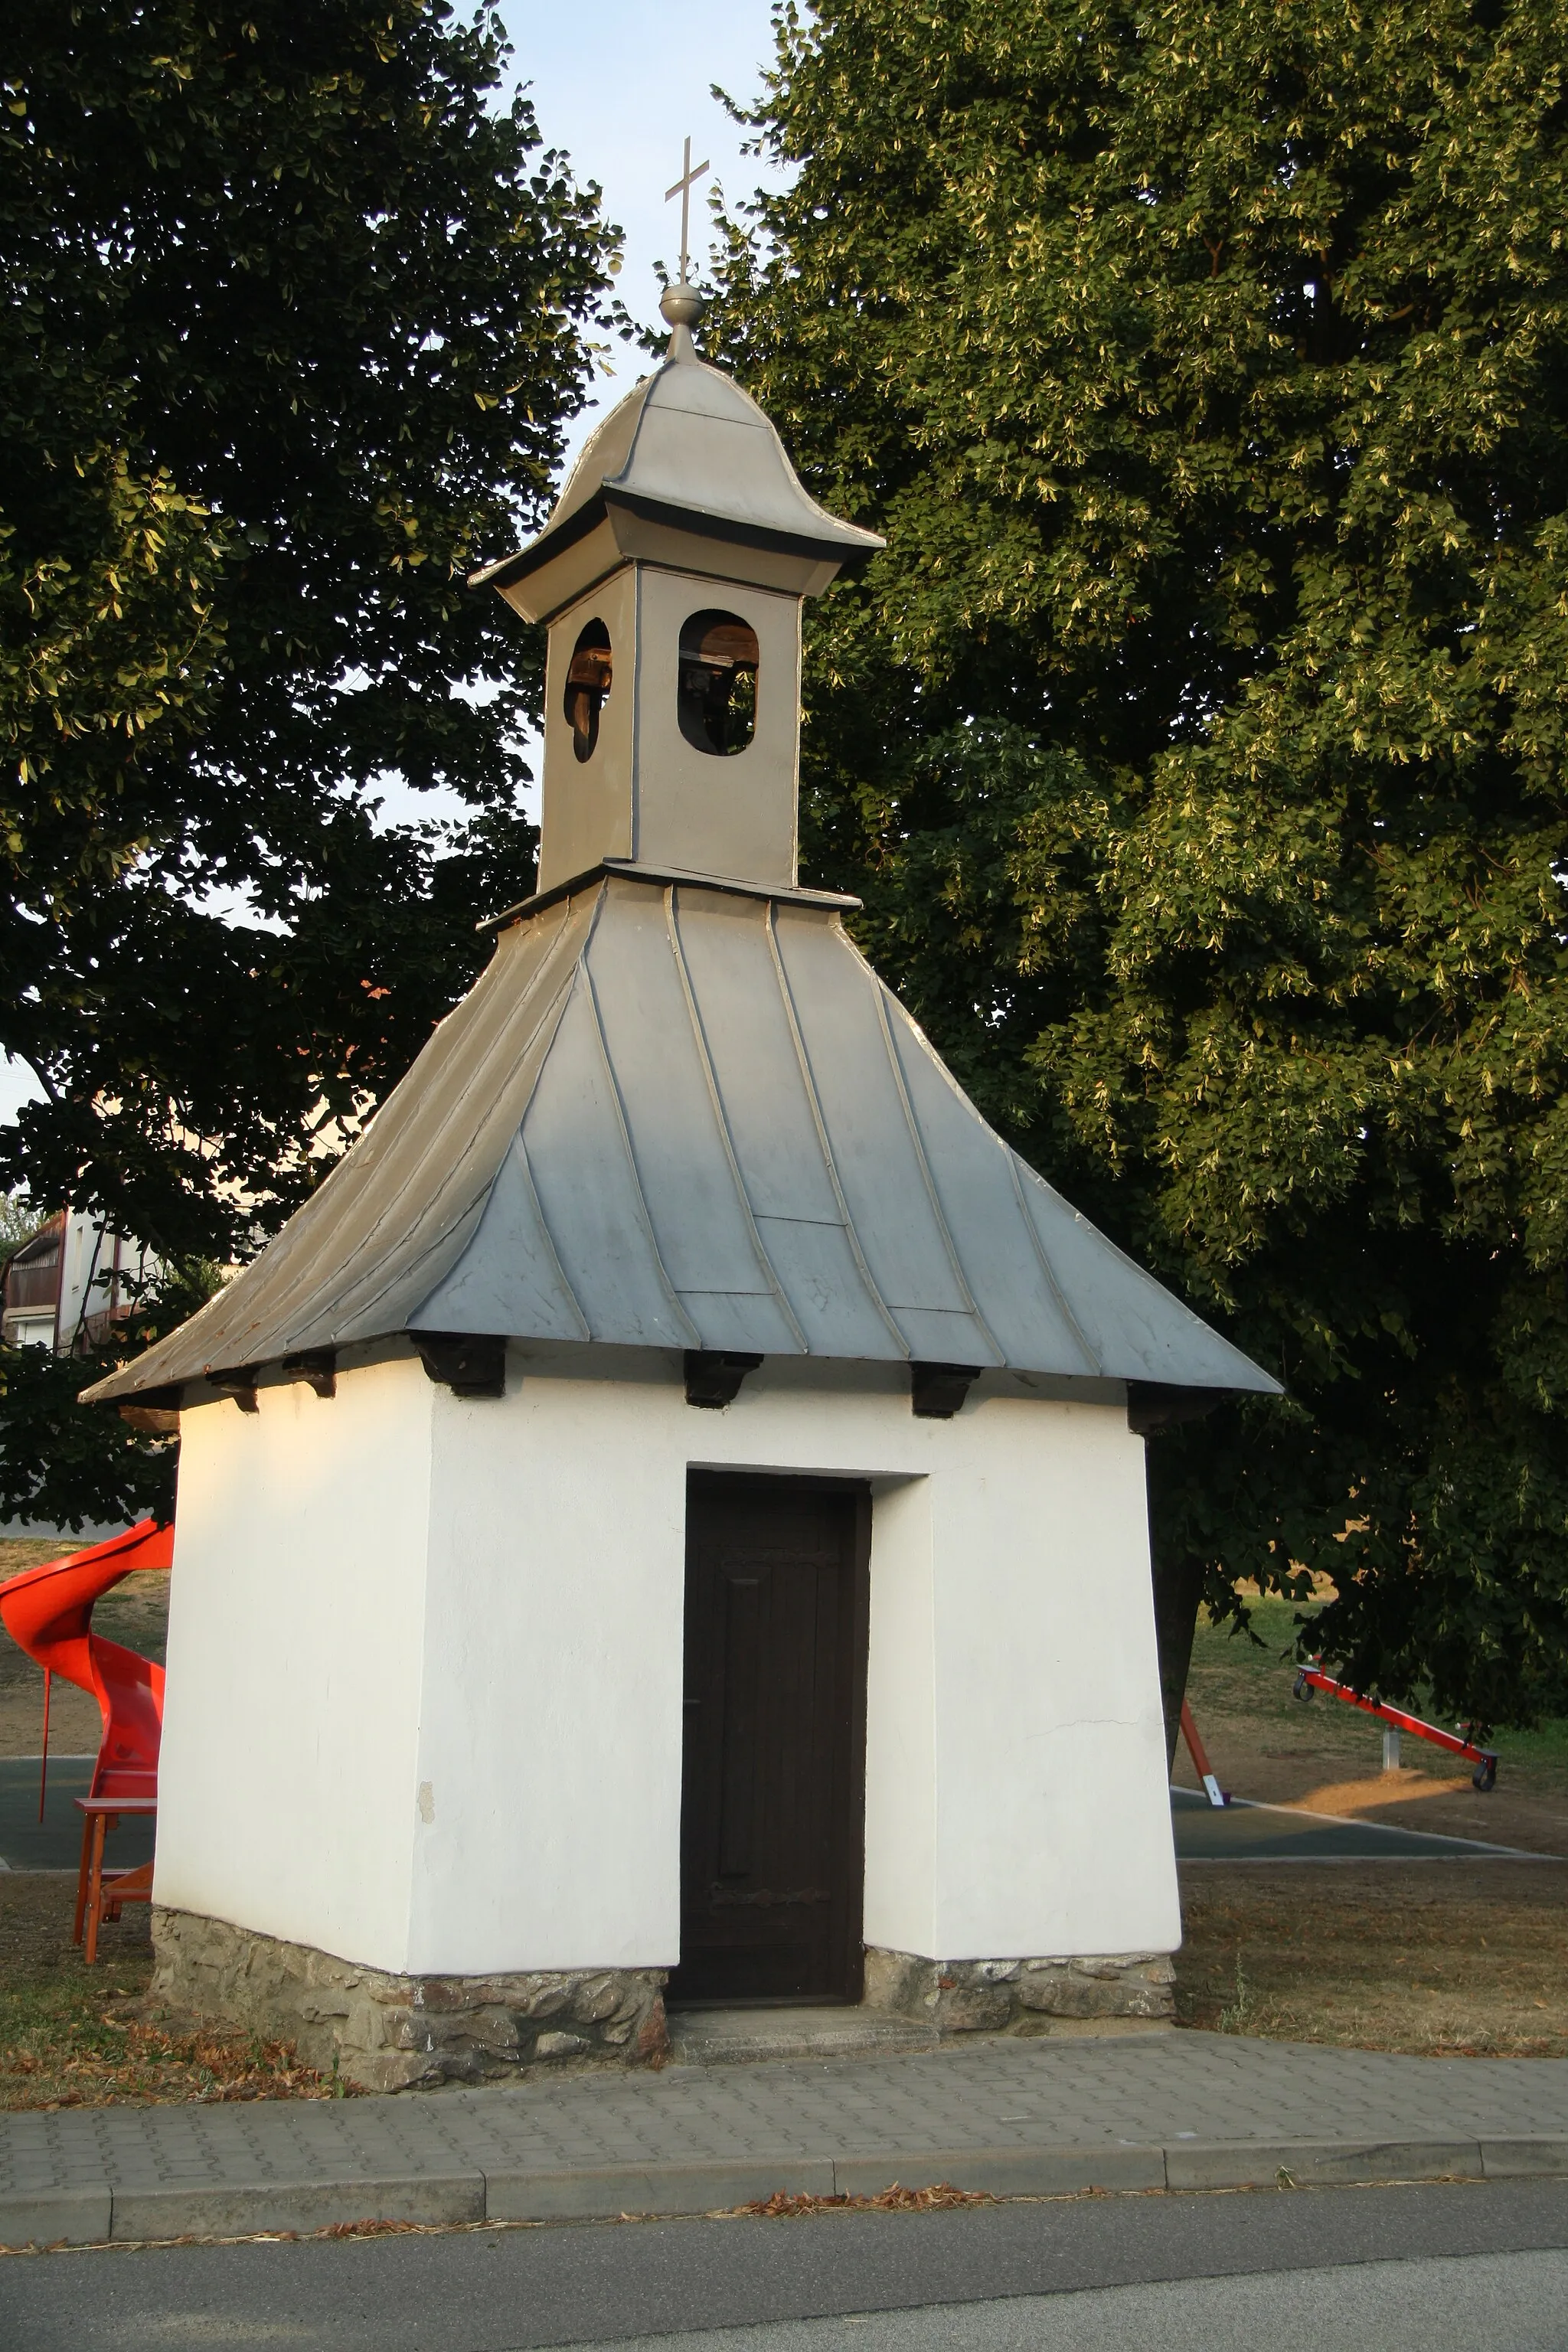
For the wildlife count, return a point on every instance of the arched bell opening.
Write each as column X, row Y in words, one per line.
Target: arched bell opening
column 587, row 687
column 717, row 692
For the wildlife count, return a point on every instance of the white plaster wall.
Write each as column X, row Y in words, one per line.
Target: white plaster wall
column 425, row 1668
column 1053, row 1828
column 1016, row 1798
column 1016, row 1777
column 900, row 1720
column 551, row 1737
column 286, row 1784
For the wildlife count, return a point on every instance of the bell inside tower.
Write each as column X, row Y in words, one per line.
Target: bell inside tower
column 716, row 694
column 588, row 675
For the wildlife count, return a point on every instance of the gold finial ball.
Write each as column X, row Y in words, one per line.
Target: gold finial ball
column 682, row 304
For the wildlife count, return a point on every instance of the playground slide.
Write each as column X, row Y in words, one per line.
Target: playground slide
column 48, row 1611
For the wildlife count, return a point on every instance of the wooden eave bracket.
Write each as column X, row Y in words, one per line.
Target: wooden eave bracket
column 154, row 1413
column 469, row 1363
column 239, row 1381
column 938, row 1391
column 1154, row 1405
column 316, row 1367
column 713, row 1376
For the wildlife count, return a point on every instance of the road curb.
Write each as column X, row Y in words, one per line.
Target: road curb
column 1321, row 2163
column 57, row 2217
column 1002, row 2172
column 238, row 2209
column 610, row 2190
column 99, row 2214
column 1528, row 2156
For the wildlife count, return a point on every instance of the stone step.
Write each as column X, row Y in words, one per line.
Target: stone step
column 719, row 2037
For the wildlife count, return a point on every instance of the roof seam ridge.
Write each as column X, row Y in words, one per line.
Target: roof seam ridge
column 1011, row 1160
column 519, row 1146
column 549, row 1018
column 1143, row 1276
column 1057, row 1293
column 647, row 388
column 638, row 1189
column 356, row 1302
column 923, row 1160
column 473, row 1208
column 672, row 924
column 365, row 1304
column 814, row 1098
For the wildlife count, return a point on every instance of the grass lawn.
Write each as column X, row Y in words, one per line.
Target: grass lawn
column 1249, row 1684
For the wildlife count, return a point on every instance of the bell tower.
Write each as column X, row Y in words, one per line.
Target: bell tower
column 670, row 579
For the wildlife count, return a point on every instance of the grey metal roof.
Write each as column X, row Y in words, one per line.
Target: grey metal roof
column 687, row 443
column 675, row 1116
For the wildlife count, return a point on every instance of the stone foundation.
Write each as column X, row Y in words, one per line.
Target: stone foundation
column 386, row 2032
column 1021, row 1996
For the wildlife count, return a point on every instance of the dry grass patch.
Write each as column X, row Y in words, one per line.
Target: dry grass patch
column 1443, row 1959
column 72, row 2036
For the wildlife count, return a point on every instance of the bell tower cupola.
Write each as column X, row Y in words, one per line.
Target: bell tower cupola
column 670, row 579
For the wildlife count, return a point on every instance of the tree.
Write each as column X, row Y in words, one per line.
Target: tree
column 292, row 322
column 19, row 1221
column 1197, row 743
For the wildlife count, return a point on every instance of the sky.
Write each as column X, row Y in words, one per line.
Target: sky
column 621, row 109
column 620, row 86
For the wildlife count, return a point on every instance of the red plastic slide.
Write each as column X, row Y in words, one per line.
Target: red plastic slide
column 48, row 1611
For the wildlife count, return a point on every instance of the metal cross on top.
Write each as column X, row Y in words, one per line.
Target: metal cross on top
column 682, row 188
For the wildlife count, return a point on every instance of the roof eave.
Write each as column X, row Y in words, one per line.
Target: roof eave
column 847, row 546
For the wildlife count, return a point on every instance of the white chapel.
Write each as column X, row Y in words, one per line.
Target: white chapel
column 666, row 1523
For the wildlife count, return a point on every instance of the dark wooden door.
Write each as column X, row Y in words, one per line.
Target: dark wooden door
column 773, row 1795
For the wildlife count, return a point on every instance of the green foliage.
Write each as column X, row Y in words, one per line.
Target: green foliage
column 64, row 1464
column 292, row 322
column 19, row 1221
column 1197, row 743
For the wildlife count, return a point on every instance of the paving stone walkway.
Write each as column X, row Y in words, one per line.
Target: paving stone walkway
column 1178, row 2110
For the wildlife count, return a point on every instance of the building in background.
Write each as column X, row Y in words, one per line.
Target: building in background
column 65, row 1287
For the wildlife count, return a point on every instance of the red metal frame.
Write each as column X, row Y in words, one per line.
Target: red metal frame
column 48, row 1611
column 1199, row 1754
column 1314, row 1678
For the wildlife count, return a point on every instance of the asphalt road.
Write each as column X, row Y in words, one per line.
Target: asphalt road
column 1244, row 1831
column 55, row 1844
column 1373, row 2269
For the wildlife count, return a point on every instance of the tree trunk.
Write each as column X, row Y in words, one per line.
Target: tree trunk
column 1178, row 1589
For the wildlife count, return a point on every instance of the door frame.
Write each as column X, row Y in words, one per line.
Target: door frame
column 848, row 1857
